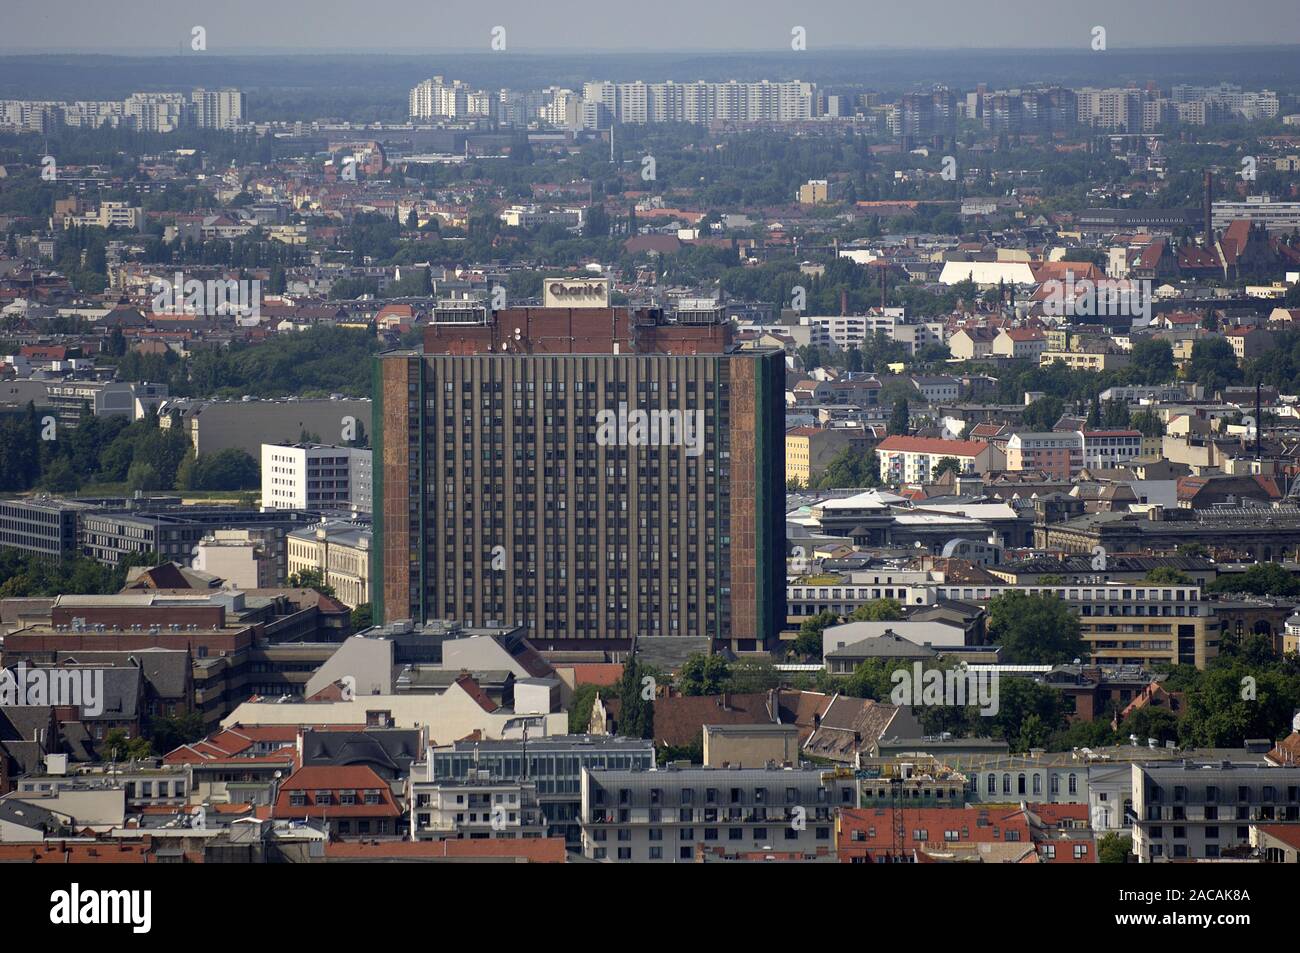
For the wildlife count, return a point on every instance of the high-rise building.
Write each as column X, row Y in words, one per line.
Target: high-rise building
column 217, row 108
column 590, row 473
column 155, row 112
column 438, row 99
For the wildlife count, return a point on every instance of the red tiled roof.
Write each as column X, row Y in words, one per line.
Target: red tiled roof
column 535, row 850
column 1288, row 834
column 975, row 825
column 475, row 691
column 597, row 673
column 61, row 852
column 356, row 778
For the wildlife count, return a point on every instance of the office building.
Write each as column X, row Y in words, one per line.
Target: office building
column 312, row 476
column 340, row 551
column 586, row 472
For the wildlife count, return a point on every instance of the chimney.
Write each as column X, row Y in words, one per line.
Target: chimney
column 844, row 302
column 1259, row 417
column 1208, row 209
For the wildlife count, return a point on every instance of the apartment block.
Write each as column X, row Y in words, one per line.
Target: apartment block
column 1196, row 810
column 681, row 815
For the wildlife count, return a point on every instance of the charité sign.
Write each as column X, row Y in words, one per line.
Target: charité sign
column 575, row 293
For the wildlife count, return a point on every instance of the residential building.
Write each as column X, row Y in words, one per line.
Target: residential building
column 1056, row 453
column 671, row 815
column 906, row 459
column 1192, row 810
column 551, row 767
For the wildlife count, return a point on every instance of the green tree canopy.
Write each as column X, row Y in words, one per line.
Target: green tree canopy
column 1034, row 629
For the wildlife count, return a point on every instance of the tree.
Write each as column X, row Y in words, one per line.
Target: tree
column 1114, row 848
column 878, row 610
column 1261, row 579
column 1029, row 713
column 848, row 468
column 1041, row 416
column 703, row 674
column 143, row 476
column 311, row 579
column 636, row 712
column 227, row 469
column 597, row 223
column 1115, row 416
column 584, row 697
column 1147, row 423
column 809, row 642
column 1034, row 629
column 1222, row 709
column 1213, row 364
column 900, row 420
column 1168, row 575
column 169, row 732
column 1093, row 421
column 121, row 747
column 946, row 465
column 1151, row 362
column 61, row 477
column 362, row 617
column 1150, row 722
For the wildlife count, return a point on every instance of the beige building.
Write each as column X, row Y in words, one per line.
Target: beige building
column 819, row 191
column 340, row 552
column 241, row 559
column 1085, row 360
column 972, row 343
column 1027, row 343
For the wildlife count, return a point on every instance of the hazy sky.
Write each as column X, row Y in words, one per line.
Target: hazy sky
column 408, row 26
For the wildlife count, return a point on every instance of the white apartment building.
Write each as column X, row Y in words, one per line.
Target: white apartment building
column 906, row 459
column 699, row 102
column 109, row 215
column 156, row 112
column 437, row 99
column 1119, row 109
column 217, row 108
column 307, row 476
column 1105, row 449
